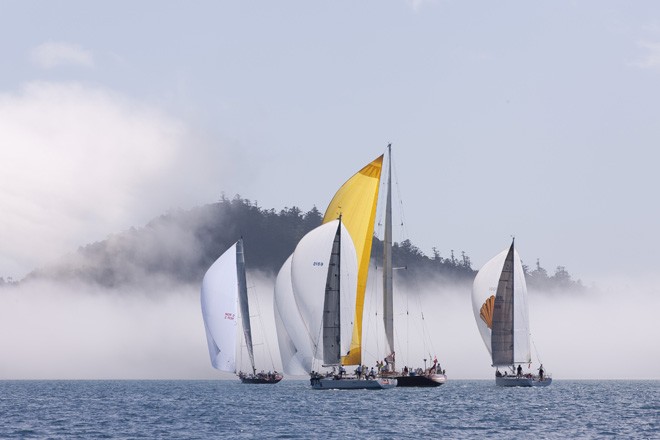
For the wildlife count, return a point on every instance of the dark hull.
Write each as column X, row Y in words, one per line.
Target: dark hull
column 257, row 380
column 260, row 378
column 434, row 380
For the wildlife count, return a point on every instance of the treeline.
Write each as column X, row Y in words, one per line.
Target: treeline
column 560, row 281
column 183, row 244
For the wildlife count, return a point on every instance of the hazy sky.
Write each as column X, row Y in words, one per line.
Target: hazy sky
column 539, row 120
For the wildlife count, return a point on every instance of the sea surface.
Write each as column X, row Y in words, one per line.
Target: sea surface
column 292, row 410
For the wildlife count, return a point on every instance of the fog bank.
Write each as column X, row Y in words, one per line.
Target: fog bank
column 78, row 331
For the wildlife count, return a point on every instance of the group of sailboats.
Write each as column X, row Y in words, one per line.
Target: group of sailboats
column 320, row 294
column 319, row 301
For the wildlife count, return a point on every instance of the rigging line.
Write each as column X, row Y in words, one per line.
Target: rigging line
column 535, row 349
column 407, row 328
column 400, row 200
column 422, row 327
column 427, row 341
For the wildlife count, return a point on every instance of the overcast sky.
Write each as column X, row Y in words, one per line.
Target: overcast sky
column 539, row 120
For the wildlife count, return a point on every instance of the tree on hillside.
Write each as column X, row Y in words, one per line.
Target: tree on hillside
column 182, row 245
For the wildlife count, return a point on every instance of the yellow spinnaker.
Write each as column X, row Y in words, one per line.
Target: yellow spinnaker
column 356, row 202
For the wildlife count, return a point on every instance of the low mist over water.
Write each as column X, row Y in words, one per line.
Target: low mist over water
column 79, row 331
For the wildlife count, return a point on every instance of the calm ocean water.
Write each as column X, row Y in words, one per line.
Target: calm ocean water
column 290, row 409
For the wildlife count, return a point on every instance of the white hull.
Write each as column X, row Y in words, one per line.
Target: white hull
column 512, row 381
column 438, row 378
column 331, row 383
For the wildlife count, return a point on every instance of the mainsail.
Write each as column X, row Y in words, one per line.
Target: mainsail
column 243, row 301
column 332, row 305
column 501, row 339
column 388, row 291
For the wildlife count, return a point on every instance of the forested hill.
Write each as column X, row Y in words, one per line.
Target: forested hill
column 183, row 244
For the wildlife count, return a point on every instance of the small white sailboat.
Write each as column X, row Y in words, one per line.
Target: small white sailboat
column 499, row 303
column 223, row 294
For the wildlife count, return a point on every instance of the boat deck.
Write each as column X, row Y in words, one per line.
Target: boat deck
column 351, row 383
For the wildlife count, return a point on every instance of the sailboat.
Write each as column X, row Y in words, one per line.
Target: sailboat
column 433, row 376
column 329, row 253
column 223, row 294
column 499, row 303
column 339, row 249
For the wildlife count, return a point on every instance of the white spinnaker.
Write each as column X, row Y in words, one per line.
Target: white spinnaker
column 309, row 272
column 295, row 345
column 219, row 299
column 485, row 285
column 521, row 346
column 291, row 363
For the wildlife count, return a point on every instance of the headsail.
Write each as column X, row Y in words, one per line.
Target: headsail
column 219, row 298
column 356, row 202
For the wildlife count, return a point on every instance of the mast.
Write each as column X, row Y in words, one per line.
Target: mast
column 243, row 300
column 331, row 305
column 388, row 295
column 502, row 331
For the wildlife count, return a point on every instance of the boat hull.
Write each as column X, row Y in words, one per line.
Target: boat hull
column 428, row 380
column 256, row 380
column 260, row 378
column 332, row 383
column 512, row 381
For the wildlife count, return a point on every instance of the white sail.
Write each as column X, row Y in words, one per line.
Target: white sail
column 219, row 298
column 484, row 289
column 522, row 352
column 309, row 272
column 292, row 364
column 295, row 345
